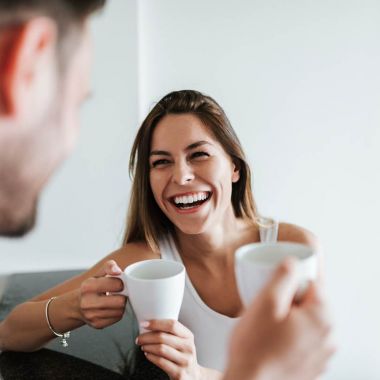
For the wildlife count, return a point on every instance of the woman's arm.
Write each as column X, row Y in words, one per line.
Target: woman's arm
column 26, row 329
column 80, row 300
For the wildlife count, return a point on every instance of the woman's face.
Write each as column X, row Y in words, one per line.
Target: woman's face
column 191, row 175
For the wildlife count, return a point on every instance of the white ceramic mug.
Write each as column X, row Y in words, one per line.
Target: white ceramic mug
column 256, row 262
column 154, row 288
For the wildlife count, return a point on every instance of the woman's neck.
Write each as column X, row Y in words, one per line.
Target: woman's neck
column 220, row 242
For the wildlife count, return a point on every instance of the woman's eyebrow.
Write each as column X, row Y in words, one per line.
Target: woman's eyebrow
column 159, row 153
column 189, row 147
column 197, row 144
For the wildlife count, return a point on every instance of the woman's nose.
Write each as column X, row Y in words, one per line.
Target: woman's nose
column 182, row 173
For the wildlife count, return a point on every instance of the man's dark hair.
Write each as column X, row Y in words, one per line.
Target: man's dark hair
column 69, row 15
column 66, row 13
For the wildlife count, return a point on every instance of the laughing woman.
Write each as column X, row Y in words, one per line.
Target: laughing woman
column 191, row 202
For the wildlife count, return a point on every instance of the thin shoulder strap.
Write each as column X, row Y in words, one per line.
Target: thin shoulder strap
column 268, row 230
column 166, row 248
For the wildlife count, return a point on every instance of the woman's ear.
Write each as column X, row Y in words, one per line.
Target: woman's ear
column 235, row 173
column 25, row 49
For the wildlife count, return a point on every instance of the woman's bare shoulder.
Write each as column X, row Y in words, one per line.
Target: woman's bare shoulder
column 297, row 234
column 131, row 253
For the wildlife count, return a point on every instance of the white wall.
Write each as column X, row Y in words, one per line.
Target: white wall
column 300, row 82
column 82, row 210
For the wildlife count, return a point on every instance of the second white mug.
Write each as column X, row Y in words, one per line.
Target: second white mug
column 256, row 262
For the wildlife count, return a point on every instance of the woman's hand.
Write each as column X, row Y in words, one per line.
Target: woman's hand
column 98, row 308
column 170, row 346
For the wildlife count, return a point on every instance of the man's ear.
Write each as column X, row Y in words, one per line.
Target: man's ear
column 24, row 50
column 236, row 172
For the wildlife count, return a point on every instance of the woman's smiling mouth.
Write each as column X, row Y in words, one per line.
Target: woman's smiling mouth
column 190, row 201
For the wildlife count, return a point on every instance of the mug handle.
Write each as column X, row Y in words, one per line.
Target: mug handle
column 123, row 292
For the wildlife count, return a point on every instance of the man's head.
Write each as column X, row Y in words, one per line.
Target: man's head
column 44, row 77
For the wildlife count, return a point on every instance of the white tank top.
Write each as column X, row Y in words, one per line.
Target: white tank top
column 211, row 329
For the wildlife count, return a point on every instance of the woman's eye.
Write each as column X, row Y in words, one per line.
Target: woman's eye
column 199, row 154
column 159, row 162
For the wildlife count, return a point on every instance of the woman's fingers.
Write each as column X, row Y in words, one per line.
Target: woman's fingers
column 98, row 307
column 104, row 314
column 101, row 314
column 100, row 323
column 170, row 326
column 170, row 346
column 167, row 352
column 167, row 332
column 95, row 301
column 160, row 338
column 101, row 285
column 171, row 369
column 110, row 267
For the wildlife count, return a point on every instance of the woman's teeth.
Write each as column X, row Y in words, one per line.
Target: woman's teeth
column 192, row 200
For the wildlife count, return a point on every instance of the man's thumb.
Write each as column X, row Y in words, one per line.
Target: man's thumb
column 279, row 292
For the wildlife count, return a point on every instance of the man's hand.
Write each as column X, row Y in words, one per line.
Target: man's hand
column 277, row 339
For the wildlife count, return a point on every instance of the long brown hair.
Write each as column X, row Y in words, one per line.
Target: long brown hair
column 145, row 221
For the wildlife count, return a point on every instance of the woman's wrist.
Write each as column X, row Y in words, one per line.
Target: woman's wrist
column 74, row 310
column 64, row 312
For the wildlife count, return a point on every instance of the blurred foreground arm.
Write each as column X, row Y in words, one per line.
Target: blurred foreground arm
column 277, row 339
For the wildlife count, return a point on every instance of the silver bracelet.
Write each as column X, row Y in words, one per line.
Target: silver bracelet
column 63, row 336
